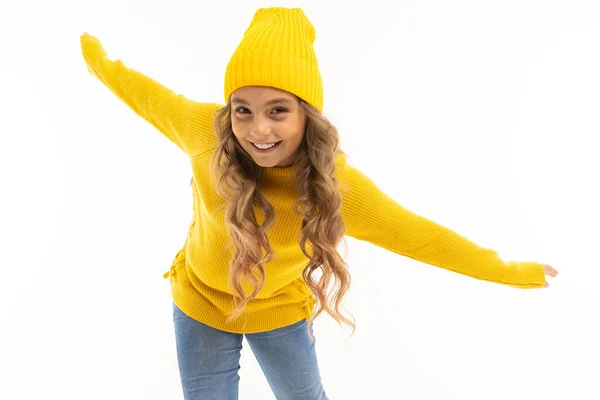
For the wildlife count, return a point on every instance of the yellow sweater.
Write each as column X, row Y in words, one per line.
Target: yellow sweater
column 198, row 274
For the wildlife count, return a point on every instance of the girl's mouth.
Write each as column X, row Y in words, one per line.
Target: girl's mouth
column 263, row 150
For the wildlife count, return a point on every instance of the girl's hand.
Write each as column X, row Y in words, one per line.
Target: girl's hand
column 91, row 45
column 93, row 53
column 549, row 271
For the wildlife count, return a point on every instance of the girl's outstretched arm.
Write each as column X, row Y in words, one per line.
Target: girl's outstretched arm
column 185, row 122
column 371, row 215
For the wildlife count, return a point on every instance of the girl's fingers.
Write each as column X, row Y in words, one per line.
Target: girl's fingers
column 549, row 270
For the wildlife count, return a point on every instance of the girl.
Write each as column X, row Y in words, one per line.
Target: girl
column 273, row 197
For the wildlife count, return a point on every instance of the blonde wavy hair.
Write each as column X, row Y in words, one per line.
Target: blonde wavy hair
column 238, row 178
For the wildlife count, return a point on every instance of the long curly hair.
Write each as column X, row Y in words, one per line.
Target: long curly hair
column 238, row 179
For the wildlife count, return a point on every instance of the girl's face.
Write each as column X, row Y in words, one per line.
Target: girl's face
column 265, row 115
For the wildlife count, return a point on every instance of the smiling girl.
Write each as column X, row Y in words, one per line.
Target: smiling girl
column 273, row 197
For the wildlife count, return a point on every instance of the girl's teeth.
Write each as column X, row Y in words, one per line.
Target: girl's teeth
column 264, row 147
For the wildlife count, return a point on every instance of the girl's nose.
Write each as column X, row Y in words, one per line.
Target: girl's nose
column 261, row 128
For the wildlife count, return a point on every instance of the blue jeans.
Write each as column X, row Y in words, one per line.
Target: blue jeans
column 209, row 360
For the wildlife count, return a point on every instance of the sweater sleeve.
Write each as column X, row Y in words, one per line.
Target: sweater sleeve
column 371, row 215
column 186, row 123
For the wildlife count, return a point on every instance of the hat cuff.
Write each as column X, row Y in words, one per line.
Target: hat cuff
column 283, row 71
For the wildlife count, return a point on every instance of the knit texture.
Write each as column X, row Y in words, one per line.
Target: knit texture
column 277, row 51
column 198, row 274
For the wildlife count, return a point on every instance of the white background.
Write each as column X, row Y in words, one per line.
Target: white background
column 481, row 115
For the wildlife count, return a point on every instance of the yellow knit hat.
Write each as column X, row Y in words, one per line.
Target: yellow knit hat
column 277, row 51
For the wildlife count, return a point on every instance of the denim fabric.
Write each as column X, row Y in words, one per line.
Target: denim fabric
column 209, row 360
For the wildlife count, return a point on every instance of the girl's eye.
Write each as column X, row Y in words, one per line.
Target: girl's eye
column 244, row 110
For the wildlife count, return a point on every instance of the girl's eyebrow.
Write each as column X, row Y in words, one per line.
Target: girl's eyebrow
column 272, row 101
